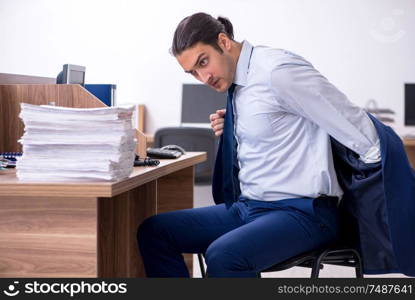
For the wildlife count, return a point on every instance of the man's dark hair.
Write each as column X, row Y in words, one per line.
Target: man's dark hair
column 200, row 27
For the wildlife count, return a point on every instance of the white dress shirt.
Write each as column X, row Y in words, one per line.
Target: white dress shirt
column 285, row 112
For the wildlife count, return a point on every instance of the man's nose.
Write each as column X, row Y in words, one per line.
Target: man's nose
column 206, row 77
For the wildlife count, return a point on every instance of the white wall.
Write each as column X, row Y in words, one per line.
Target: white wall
column 365, row 47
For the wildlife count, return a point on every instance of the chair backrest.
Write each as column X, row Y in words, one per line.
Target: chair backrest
column 191, row 139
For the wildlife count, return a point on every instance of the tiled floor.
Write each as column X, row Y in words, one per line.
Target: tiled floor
column 203, row 197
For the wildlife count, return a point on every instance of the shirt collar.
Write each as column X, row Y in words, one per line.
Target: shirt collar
column 242, row 67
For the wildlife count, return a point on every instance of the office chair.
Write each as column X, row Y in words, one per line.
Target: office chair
column 191, row 139
column 334, row 255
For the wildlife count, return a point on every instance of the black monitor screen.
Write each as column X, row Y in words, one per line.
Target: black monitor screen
column 410, row 104
column 199, row 101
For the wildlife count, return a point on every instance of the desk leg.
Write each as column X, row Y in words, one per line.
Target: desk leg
column 118, row 220
column 175, row 191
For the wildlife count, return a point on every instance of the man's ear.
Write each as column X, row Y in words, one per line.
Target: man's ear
column 224, row 42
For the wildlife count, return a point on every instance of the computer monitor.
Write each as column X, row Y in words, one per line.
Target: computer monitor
column 71, row 74
column 198, row 102
column 410, row 104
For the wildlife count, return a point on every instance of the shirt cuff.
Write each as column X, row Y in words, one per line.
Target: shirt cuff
column 372, row 155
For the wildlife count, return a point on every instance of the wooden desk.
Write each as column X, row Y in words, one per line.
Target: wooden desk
column 87, row 229
column 410, row 150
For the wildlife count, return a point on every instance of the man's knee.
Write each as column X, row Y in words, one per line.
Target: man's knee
column 150, row 228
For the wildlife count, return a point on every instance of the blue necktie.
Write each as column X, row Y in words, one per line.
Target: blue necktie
column 230, row 168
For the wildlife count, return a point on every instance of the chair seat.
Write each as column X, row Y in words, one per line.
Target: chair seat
column 335, row 255
column 339, row 255
column 302, row 260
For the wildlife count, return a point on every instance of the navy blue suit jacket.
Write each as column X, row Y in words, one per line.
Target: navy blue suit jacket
column 378, row 207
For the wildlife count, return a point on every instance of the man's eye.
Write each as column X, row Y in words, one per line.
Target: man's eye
column 203, row 62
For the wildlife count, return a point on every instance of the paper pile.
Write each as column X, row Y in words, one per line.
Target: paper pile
column 61, row 143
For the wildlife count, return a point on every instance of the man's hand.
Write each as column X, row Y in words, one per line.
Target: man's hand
column 217, row 120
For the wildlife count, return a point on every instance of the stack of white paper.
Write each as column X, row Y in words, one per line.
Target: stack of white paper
column 61, row 143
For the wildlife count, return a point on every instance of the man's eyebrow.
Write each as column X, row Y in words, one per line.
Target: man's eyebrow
column 197, row 61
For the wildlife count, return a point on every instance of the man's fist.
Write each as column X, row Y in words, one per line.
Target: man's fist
column 217, row 120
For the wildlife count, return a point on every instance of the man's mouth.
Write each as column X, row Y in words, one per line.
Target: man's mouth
column 214, row 84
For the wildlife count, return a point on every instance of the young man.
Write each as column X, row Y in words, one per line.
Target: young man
column 274, row 173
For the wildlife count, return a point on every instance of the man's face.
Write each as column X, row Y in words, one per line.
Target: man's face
column 208, row 65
